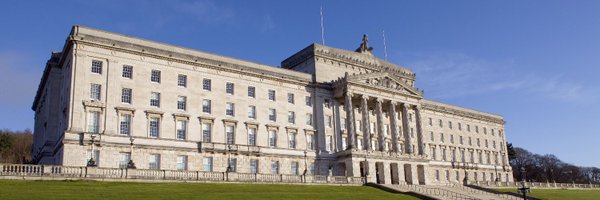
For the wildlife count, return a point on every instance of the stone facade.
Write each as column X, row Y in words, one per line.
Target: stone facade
column 325, row 111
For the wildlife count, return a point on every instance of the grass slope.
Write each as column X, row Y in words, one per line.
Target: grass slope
column 560, row 194
column 21, row 189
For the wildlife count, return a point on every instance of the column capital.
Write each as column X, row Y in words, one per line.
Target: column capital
column 406, row 105
column 366, row 97
column 349, row 93
column 393, row 103
column 379, row 100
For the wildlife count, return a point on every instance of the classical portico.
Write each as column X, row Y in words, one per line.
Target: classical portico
column 387, row 131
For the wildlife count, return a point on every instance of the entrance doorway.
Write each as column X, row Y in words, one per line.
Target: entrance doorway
column 408, row 174
column 379, row 171
column 394, row 173
column 421, row 174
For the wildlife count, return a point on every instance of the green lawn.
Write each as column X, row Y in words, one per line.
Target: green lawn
column 559, row 194
column 21, row 189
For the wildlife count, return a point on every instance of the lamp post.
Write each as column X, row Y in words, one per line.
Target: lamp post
column 523, row 189
column 305, row 165
column 92, row 162
column 228, row 159
column 131, row 164
column 496, row 171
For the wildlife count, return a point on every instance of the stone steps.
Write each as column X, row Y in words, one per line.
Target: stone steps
column 450, row 192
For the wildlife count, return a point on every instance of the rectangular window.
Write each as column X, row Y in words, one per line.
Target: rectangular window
column 450, row 124
column 206, row 84
column 124, row 158
column 95, row 90
column 309, row 119
column 328, row 144
column 229, row 109
column 274, row 167
column 182, row 162
column 251, row 91
column 291, row 117
column 94, row 122
column 181, row 102
column 254, row 166
column 272, row 95
column 292, row 140
column 441, row 124
column 310, row 142
column 232, row 165
column 154, row 129
column 207, row 132
column 127, row 71
column 442, row 137
column 430, row 122
column 229, row 88
column 460, row 139
column 459, row 126
column 125, row 124
column 294, row 168
column 272, row 138
column 468, row 128
column 252, row 112
column 207, row 164
column 290, row 98
column 126, row 94
column 181, row 129
column 431, row 136
column 252, row 136
column 154, row 161
column 155, row 76
column 155, row 99
column 229, row 130
column 272, row 115
column 206, row 106
column 97, row 66
column 451, row 139
column 182, row 80
column 308, row 100
column 328, row 121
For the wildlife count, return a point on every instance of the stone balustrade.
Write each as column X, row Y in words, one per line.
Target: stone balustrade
column 71, row 172
column 536, row 184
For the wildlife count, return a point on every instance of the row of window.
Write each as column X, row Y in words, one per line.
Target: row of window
column 463, row 158
column 154, row 162
column 181, row 131
column 441, row 125
column 461, row 141
column 155, row 77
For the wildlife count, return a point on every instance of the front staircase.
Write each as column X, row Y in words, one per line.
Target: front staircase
column 455, row 192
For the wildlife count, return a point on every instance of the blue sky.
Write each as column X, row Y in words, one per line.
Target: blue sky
column 533, row 62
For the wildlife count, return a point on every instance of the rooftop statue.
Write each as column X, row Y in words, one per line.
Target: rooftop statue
column 364, row 46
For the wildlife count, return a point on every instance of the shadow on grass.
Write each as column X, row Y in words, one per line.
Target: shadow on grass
column 420, row 196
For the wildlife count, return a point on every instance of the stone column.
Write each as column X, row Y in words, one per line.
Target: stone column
column 420, row 141
column 365, row 122
column 349, row 120
column 406, row 129
column 380, row 138
column 394, row 126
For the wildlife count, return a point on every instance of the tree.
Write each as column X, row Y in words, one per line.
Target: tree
column 510, row 151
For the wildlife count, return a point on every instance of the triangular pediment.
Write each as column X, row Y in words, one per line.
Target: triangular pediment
column 383, row 80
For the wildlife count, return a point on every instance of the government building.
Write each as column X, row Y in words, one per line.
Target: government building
column 113, row 101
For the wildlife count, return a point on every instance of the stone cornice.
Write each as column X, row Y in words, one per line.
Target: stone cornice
column 348, row 58
column 461, row 112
